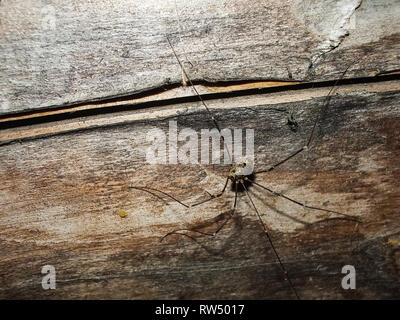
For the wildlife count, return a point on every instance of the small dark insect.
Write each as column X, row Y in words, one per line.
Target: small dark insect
column 292, row 122
column 241, row 182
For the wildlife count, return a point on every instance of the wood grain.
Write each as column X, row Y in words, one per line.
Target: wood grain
column 59, row 53
column 82, row 83
column 61, row 196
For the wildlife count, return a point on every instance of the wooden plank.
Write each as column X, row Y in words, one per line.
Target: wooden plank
column 61, row 196
column 60, row 53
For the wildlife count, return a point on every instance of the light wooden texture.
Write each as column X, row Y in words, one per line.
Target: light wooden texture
column 66, row 167
column 60, row 52
column 61, row 197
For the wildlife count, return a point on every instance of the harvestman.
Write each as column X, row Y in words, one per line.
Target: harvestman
column 241, row 182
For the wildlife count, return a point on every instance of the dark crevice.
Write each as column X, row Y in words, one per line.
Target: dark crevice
column 94, row 111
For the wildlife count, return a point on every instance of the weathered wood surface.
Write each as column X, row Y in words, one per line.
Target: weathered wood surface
column 61, row 195
column 59, row 52
column 63, row 182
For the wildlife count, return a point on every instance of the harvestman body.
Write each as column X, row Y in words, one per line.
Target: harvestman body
column 241, row 182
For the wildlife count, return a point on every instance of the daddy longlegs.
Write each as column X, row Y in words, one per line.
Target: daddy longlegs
column 241, row 182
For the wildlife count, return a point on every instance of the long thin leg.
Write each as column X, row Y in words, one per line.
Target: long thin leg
column 310, row 138
column 281, row 162
column 349, row 217
column 214, row 120
column 326, row 102
column 153, row 191
column 213, row 196
column 213, row 234
column 192, row 85
column 285, row 272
